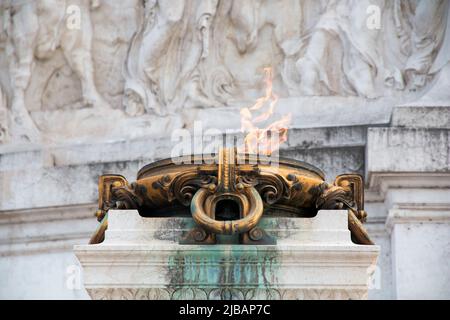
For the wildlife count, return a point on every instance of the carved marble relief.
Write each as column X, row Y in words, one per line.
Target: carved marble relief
column 226, row 293
column 70, row 60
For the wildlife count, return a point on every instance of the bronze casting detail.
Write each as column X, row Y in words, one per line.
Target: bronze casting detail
column 203, row 185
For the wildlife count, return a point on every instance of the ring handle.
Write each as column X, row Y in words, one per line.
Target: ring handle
column 248, row 222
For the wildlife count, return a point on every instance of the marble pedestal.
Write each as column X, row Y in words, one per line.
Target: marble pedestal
column 140, row 258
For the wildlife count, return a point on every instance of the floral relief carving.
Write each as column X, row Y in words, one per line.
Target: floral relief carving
column 225, row 293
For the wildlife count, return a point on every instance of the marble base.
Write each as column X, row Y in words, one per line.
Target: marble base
column 141, row 259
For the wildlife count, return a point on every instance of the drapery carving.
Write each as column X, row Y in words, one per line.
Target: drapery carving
column 174, row 55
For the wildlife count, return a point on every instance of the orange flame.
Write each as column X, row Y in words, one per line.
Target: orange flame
column 268, row 139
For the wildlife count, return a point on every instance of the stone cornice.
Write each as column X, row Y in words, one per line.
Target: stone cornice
column 380, row 182
column 293, row 255
column 418, row 213
column 32, row 231
column 47, row 214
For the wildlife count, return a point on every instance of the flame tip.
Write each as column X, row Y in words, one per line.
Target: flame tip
column 262, row 139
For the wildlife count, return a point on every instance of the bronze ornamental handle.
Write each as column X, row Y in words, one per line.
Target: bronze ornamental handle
column 248, row 222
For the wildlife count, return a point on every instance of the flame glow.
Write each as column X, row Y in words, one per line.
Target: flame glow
column 264, row 140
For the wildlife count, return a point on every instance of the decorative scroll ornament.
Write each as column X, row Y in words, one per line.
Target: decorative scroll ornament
column 229, row 196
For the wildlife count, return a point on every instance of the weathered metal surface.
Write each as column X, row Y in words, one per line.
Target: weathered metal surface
column 243, row 186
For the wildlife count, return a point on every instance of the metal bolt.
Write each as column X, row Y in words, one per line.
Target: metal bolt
column 212, row 187
column 199, row 235
column 255, row 234
column 117, row 184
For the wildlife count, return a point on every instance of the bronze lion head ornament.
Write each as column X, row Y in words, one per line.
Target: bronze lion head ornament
column 228, row 195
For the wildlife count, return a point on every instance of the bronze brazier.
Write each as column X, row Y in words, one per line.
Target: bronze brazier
column 229, row 194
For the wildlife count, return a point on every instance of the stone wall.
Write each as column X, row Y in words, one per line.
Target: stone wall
column 89, row 87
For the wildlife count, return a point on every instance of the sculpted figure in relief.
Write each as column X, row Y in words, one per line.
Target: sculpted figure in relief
column 418, row 45
column 424, row 24
column 342, row 57
column 3, row 117
column 290, row 24
column 35, row 30
column 4, row 81
column 162, row 66
column 191, row 53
